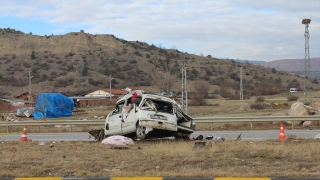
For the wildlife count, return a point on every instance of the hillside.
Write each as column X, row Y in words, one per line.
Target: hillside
column 78, row 62
column 292, row 64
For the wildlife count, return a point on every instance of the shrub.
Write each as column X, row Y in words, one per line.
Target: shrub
column 259, row 99
column 93, row 82
column 234, row 76
column 33, row 56
column 133, row 62
column 292, row 98
column 198, row 100
column 257, row 106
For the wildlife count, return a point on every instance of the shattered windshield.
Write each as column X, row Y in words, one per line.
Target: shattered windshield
column 158, row 106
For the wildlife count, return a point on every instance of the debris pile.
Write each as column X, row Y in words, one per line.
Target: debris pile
column 8, row 117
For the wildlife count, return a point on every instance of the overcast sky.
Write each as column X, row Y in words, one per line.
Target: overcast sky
column 236, row 29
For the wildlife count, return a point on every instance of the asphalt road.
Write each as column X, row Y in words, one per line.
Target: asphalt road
column 245, row 135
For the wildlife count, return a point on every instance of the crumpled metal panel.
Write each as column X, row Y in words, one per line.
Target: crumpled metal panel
column 158, row 125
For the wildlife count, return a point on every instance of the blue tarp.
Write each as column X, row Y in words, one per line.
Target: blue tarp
column 53, row 105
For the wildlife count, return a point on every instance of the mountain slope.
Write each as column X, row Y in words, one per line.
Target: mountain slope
column 292, row 64
column 79, row 62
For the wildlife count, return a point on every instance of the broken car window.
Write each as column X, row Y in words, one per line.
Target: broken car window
column 118, row 107
column 159, row 106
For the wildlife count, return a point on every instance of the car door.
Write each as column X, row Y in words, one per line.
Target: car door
column 114, row 121
column 129, row 120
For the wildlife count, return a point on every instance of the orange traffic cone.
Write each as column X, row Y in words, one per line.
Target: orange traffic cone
column 24, row 134
column 282, row 136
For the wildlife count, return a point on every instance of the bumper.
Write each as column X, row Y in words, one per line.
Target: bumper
column 159, row 125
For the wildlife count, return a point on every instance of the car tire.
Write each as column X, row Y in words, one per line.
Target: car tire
column 101, row 135
column 141, row 132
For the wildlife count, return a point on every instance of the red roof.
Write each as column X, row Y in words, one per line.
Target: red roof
column 115, row 91
column 136, row 88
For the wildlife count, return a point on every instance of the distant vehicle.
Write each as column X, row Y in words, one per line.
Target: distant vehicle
column 293, row 90
column 142, row 116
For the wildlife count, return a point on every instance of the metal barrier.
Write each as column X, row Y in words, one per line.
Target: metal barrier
column 197, row 120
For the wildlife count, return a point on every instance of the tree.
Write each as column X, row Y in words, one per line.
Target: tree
column 315, row 81
column 234, row 76
column 201, row 93
column 224, row 88
column 84, row 68
column 33, row 56
column 164, row 81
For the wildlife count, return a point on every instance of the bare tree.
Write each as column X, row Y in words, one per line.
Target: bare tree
column 202, row 87
column 164, row 81
column 224, row 88
column 201, row 93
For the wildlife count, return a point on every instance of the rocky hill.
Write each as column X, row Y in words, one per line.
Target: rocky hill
column 292, row 64
column 78, row 62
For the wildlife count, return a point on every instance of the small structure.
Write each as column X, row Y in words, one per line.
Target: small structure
column 13, row 104
column 26, row 96
column 99, row 97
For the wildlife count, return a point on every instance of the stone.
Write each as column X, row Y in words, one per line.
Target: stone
column 298, row 109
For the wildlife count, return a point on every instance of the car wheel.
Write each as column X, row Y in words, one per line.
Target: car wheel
column 141, row 132
column 101, row 135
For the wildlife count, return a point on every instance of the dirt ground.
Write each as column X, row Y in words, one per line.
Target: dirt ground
column 290, row 158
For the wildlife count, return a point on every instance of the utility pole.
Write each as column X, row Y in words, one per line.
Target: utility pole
column 30, row 95
column 307, row 84
column 241, row 90
column 110, row 89
column 184, row 86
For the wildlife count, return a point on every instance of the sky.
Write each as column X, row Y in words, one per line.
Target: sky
column 262, row 30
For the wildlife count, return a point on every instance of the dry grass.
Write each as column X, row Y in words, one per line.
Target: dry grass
column 272, row 158
column 277, row 105
column 290, row 158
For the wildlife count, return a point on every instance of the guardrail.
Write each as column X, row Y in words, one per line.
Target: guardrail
column 197, row 120
column 255, row 119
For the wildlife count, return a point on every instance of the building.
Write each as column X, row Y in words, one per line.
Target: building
column 101, row 97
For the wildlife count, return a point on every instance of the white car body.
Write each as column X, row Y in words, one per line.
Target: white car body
column 293, row 90
column 148, row 116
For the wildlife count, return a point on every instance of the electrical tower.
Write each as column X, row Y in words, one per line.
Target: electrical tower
column 307, row 84
column 184, row 93
column 241, row 90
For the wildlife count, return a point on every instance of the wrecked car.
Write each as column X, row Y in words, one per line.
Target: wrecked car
column 140, row 115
